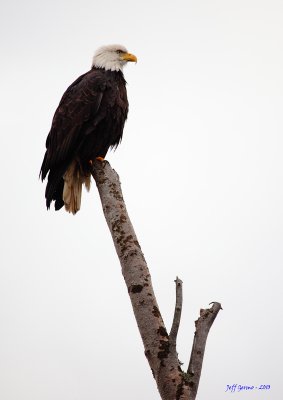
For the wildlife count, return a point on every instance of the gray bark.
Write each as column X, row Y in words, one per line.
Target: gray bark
column 160, row 348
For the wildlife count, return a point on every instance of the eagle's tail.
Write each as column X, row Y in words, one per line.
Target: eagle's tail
column 74, row 178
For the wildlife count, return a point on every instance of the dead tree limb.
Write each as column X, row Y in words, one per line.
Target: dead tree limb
column 203, row 325
column 160, row 348
column 178, row 312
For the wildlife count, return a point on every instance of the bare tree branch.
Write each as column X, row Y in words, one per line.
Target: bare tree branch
column 164, row 363
column 178, row 311
column 203, row 325
column 160, row 348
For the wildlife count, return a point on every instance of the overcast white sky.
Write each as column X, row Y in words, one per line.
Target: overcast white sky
column 201, row 169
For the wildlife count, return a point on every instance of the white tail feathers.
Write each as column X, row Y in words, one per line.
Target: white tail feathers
column 73, row 181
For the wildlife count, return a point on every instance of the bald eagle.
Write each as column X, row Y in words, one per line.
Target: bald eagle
column 89, row 120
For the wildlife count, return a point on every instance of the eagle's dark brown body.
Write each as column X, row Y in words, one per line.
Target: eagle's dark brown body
column 88, row 121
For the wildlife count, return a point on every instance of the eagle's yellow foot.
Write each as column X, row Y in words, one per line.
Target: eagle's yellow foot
column 100, row 158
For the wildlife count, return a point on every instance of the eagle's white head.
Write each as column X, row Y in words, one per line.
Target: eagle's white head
column 112, row 57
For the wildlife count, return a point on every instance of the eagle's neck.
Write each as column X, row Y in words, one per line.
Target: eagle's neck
column 116, row 75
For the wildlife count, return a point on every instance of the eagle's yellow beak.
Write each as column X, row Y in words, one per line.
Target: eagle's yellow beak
column 129, row 57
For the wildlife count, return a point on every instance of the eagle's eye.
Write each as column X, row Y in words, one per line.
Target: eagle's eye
column 119, row 51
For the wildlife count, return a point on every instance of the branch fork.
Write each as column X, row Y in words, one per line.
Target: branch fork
column 160, row 348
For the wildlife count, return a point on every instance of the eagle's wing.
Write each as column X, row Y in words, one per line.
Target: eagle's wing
column 79, row 105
